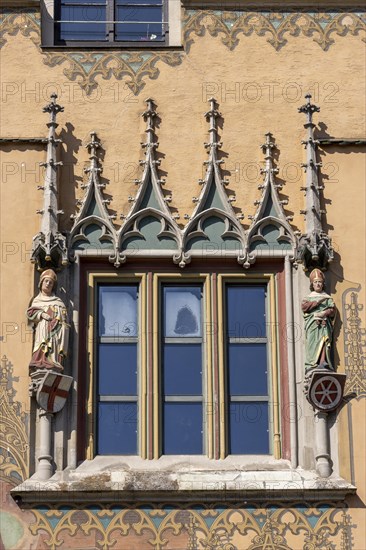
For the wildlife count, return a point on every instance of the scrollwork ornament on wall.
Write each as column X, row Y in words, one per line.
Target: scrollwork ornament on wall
column 134, row 67
column 212, row 527
column 354, row 343
column 13, row 429
column 276, row 27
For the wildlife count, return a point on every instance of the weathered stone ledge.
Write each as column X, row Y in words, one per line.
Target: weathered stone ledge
column 109, row 479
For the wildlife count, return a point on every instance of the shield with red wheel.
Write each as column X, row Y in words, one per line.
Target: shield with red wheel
column 53, row 391
column 326, row 390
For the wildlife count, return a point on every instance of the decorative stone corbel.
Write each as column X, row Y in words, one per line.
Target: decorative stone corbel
column 49, row 245
column 51, row 391
column 315, row 247
column 324, row 391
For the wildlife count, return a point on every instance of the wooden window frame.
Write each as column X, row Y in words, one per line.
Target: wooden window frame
column 214, row 385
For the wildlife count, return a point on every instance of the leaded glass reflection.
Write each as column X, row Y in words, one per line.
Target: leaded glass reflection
column 182, row 312
column 118, row 311
column 182, row 370
column 246, row 363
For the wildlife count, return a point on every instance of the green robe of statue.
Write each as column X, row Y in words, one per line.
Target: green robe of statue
column 319, row 312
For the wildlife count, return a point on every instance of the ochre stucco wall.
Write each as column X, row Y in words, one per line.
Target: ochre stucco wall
column 258, row 89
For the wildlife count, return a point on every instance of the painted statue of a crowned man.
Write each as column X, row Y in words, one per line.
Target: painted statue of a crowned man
column 319, row 314
column 48, row 314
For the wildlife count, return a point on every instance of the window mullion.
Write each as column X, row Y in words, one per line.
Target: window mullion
column 219, row 370
column 209, row 335
column 274, row 369
column 110, row 13
column 154, row 381
column 165, row 14
column 143, row 381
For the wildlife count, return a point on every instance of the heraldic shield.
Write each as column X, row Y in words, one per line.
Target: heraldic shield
column 325, row 390
column 53, row 391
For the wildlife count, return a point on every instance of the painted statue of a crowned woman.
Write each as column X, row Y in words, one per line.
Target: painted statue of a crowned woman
column 48, row 314
column 319, row 314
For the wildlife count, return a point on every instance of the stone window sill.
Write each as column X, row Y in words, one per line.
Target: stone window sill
column 190, row 478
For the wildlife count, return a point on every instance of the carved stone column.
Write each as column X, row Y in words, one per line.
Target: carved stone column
column 322, row 455
column 45, row 460
column 324, row 391
column 51, row 390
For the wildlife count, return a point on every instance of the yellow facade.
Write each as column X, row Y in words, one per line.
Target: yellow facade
column 258, row 65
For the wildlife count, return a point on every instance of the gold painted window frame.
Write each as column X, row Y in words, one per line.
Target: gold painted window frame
column 149, row 338
column 158, row 280
column 272, row 359
column 93, row 280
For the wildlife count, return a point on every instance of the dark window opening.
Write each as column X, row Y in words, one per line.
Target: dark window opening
column 136, row 21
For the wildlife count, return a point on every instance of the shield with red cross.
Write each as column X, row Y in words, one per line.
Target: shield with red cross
column 53, row 391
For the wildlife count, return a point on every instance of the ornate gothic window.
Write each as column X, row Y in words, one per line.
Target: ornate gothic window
column 183, row 360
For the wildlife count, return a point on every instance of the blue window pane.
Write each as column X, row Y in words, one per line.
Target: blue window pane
column 182, row 368
column 246, row 311
column 182, row 311
column 247, row 370
column 83, row 22
column 139, row 23
column 182, row 428
column 248, row 428
column 118, row 311
column 117, row 428
column 117, row 369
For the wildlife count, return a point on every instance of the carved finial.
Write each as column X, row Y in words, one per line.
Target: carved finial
column 93, row 145
column 309, row 109
column 49, row 246
column 149, row 116
column 211, row 116
column 53, row 108
column 267, row 150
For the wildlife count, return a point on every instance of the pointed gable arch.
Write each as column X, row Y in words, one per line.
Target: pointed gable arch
column 149, row 227
column 270, row 231
column 92, row 227
column 213, row 226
